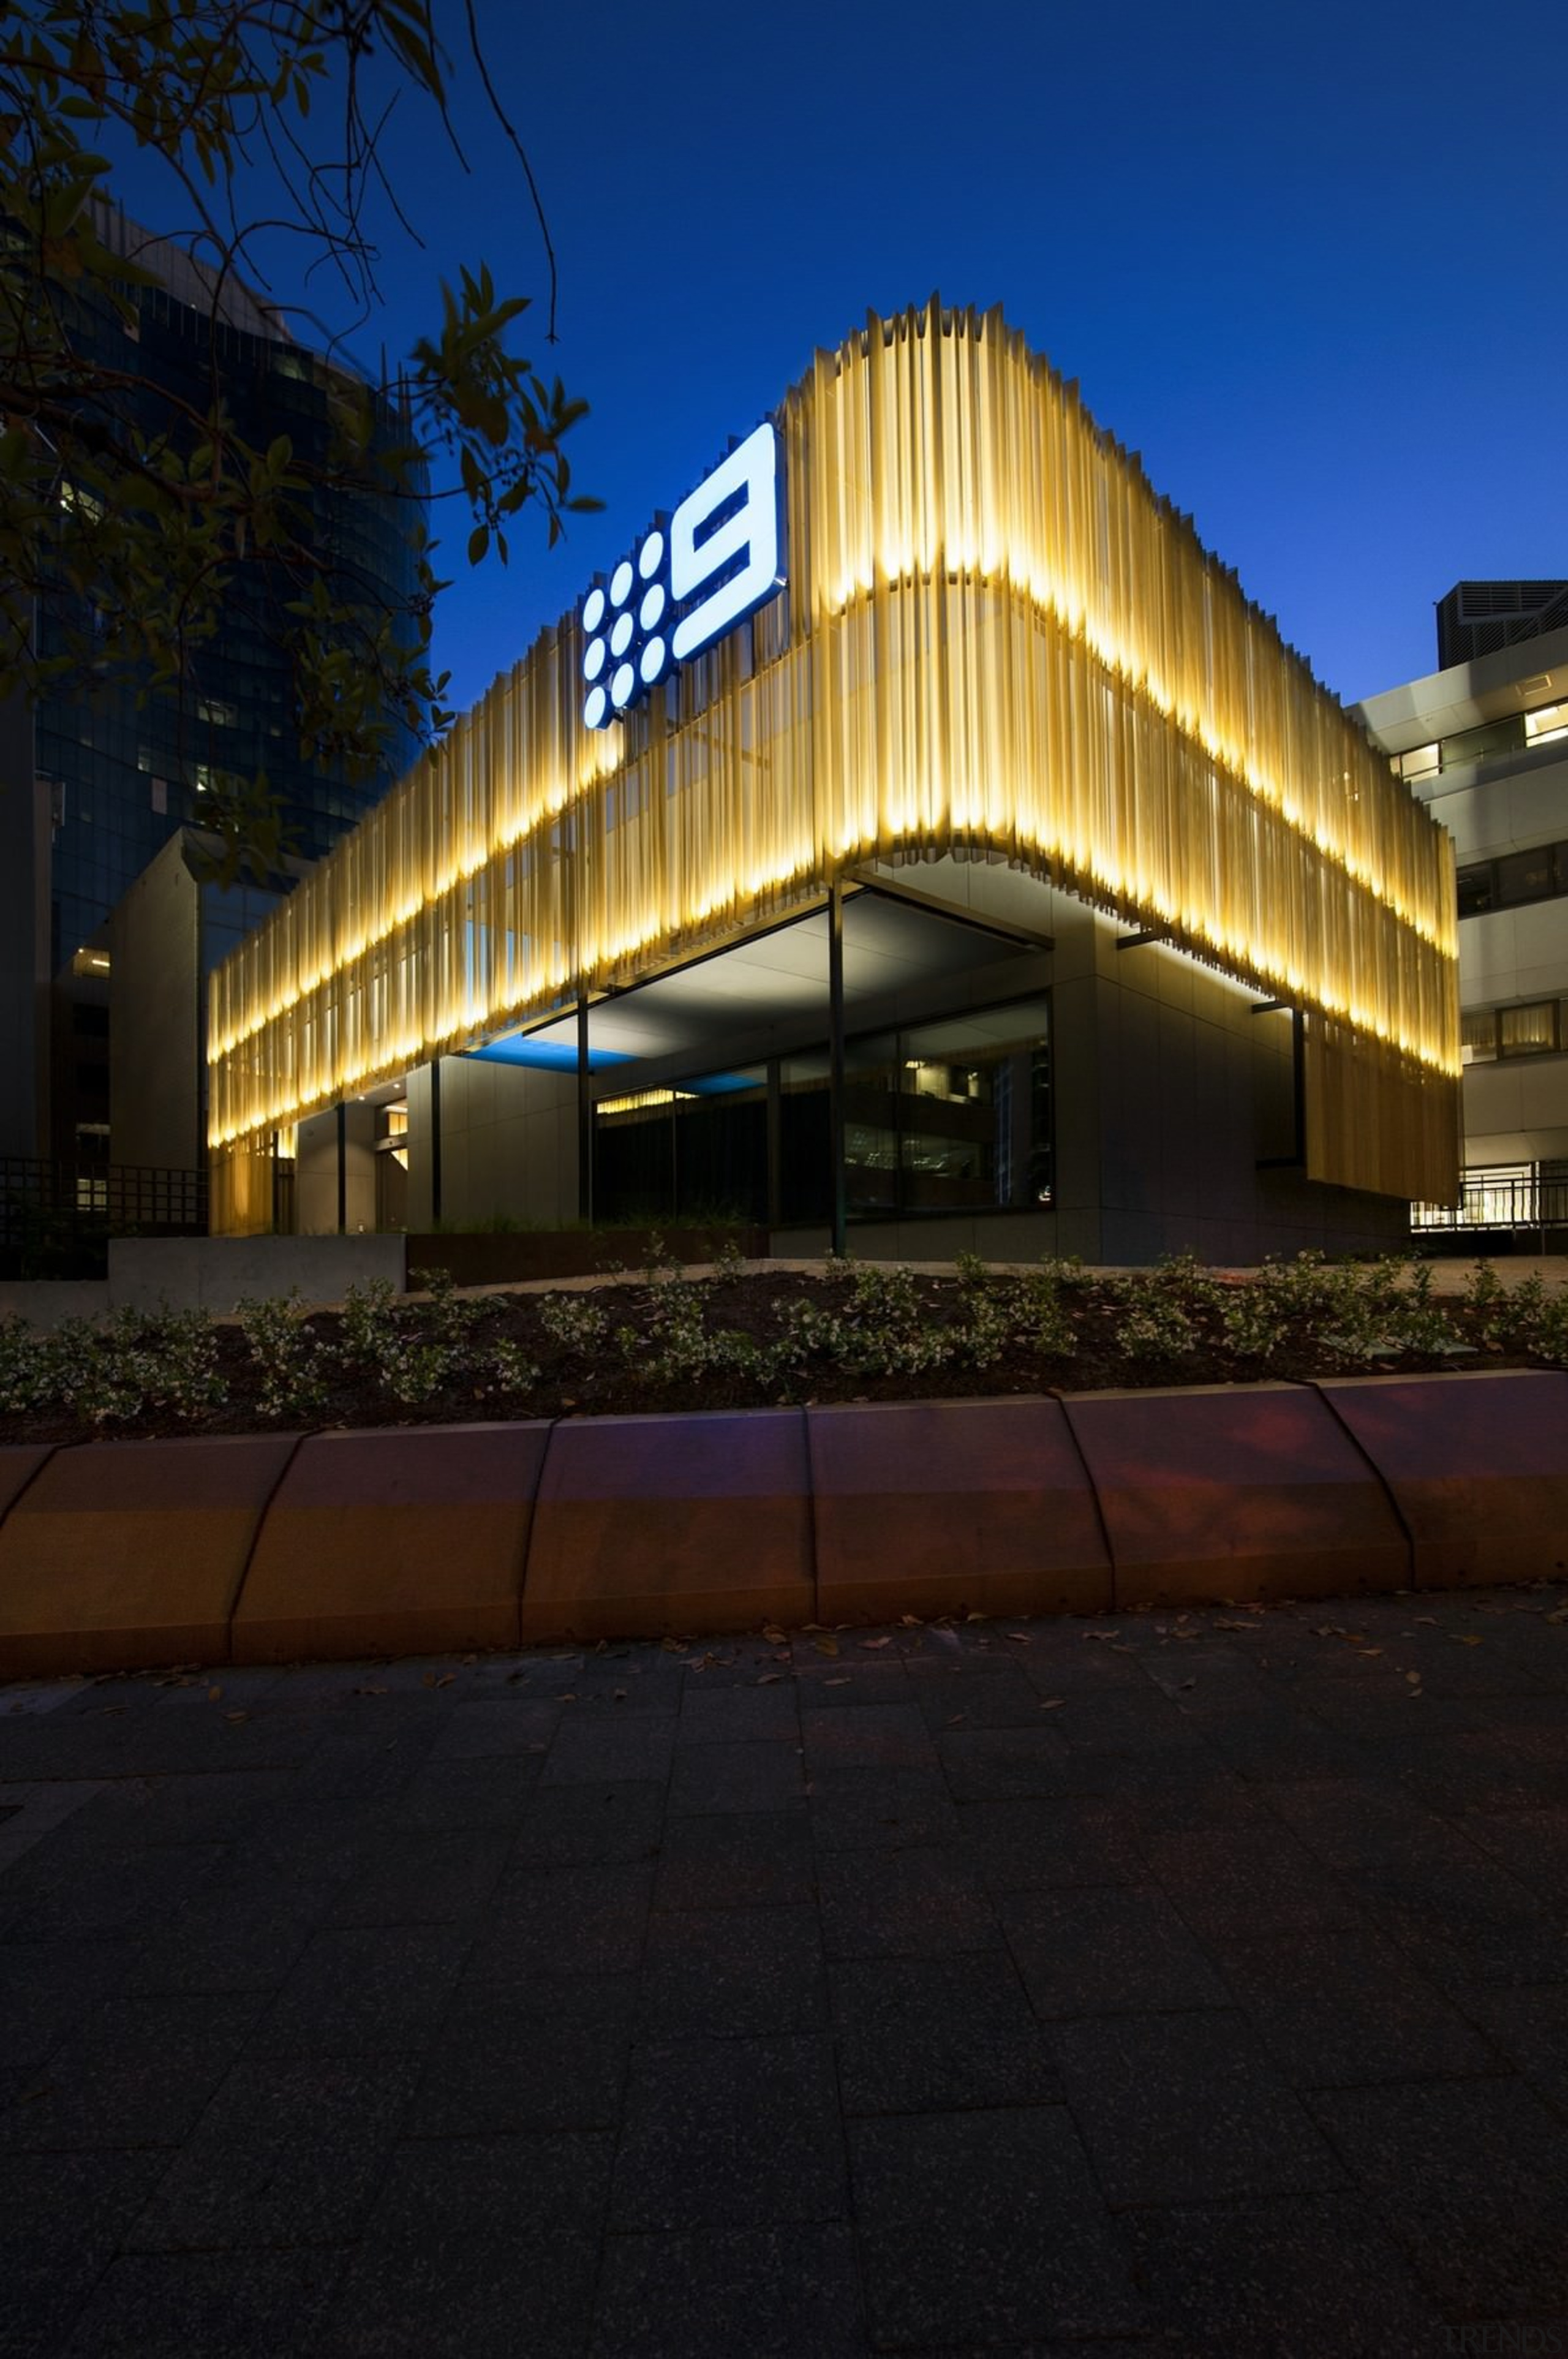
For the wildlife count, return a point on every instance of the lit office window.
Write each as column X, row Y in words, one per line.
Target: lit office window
column 1550, row 720
column 1528, row 1031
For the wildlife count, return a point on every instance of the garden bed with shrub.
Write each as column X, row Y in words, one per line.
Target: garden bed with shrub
column 750, row 1336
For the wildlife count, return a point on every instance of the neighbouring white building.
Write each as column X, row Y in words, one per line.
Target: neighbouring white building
column 1484, row 743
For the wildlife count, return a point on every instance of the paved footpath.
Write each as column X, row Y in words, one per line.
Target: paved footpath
column 1145, row 1984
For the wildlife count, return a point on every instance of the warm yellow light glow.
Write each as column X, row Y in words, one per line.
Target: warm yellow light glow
column 1000, row 642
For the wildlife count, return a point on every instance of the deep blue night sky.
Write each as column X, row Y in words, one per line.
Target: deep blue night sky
column 1309, row 260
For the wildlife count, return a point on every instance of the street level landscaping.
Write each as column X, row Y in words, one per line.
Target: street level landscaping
column 739, row 1334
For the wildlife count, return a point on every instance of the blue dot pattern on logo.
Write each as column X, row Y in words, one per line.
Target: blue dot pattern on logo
column 625, row 647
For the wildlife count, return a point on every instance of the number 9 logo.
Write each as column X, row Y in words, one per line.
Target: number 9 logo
column 719, row 561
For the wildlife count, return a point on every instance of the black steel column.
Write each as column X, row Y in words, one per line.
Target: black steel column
column 775, row 1144
column 585, row 1117
column 342, row 1167
column 835, row 1059
column 435, row 1142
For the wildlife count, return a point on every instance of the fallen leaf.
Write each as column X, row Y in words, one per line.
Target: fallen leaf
column 826, row 1644
column 1412, row 1678
column 1052, row 1704
column 213, row 1694
column 446, row 1678
column 1371, row 1650
column 911, row 1620
column 836, row 1683
column 1560, row 1614
column 618, row 1695
column 774, row 1636
column 769, row 1679
column 236, row 1715
column 1108, row 1634
column 1466, row 1637
column 1430, row 1619
column 1021, row 1636
column 570, row 1697
column 977, row 1617
column 870, row 1644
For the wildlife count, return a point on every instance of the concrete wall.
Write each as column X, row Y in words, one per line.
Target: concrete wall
column 183, row 1273
column 155, row 1038
column 1514, row 1110
column 316, row 1172
column 508, row 1143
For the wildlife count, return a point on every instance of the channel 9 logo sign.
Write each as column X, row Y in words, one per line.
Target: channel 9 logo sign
column 686, row 584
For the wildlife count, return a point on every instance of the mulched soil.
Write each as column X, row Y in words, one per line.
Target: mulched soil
column 573, row 1384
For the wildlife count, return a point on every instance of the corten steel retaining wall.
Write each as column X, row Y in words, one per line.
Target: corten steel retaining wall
column 271, row 1547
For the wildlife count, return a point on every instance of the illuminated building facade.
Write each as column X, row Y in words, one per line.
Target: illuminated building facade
column 1484, row 743
column 921, row 827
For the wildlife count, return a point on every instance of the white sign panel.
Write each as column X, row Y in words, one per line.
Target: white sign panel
column 719, row 559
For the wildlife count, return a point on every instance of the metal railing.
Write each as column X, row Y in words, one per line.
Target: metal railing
column 54, row 1211
column 1508, row 1198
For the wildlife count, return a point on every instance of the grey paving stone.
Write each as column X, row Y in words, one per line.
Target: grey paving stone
column 1342, row 2008
column 45, row 2286
column 730, row 2133
column 938, row 2035
column 478, row 2247
column 986, row 1764
column 120, row 1889
column 1470, row 1770
column 743, row 1777
column 365, row 1991
column 1471, row 2177
column 589, row 1752
column 1529, row 2029
column 768, row 2293
column 425, row 1879
column 1188, row 2109
column 1360, row 1823
column 881, row 1810
column 866, row 1736
column 478, row 1731
column 985, row 2228
column 1533, row 1844
column 843, row 1682
column 1232, row 1882
column 758, row 1860
column 1002, row 1699
column 347, row 1764
column 136, row 2073
column 1111, row 1951
column 1134, row 1720
column 50, row 2200
column 60, row 2217
column 492, row 1791
column 1281, row 1744
column 1295, row 2274
column 641, row 1680
column 1038, row 1845
column 138, row 1813
column 311, row 1839
column 1178, row 1795
column 514, row 2066
column 1063, row 1658
column 46, row 1990
column 1465, row 1924
column 732, row 1972
column 572, row 1826
column 234, row 1940
column 170, row 2305
column 906, row 1904
column 739, row 1715
column 290, row 2151
column 566, row 1920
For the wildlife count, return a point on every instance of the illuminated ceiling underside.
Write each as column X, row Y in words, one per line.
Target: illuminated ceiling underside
column 996, row 640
